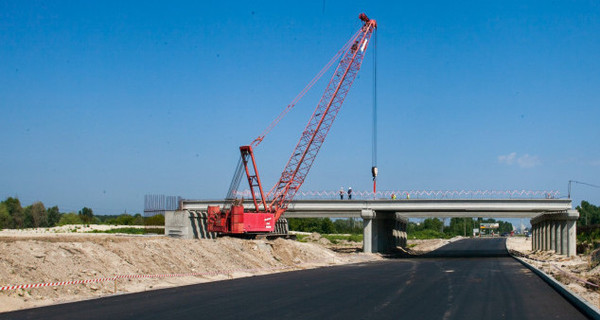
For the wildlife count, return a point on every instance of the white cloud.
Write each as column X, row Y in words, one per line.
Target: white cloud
column 527, row 161
column 507, row 159
column 524, row 161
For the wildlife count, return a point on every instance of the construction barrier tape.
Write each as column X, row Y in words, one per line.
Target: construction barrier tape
column 62, row 283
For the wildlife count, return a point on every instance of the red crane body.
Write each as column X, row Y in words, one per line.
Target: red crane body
column 232, row 218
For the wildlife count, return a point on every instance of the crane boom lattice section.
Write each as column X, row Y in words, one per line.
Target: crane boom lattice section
column 320, row 122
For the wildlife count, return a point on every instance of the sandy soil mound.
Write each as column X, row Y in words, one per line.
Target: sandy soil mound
column 570, row 271
column 419, row 247
column 41, row 257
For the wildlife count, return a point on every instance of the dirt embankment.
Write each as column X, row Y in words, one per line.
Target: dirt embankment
column 42, row 257
column 570, row 271
column 67, row 254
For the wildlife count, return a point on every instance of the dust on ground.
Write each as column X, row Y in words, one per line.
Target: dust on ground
column 570, row 271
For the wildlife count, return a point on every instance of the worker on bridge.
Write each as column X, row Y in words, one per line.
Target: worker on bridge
column 350, row 193
column 341, row 193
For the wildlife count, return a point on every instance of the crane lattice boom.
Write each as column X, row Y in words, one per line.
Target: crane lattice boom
column 321, row 120
column 233, row 218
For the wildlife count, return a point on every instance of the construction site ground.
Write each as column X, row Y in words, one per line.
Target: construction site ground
column 573, row 272
column 67, row 253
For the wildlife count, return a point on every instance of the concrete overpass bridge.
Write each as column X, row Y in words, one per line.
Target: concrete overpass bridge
column 553, row 220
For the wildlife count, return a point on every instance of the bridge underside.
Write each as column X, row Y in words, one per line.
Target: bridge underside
column 385, row 221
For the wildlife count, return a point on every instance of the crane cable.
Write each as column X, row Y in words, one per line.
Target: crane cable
column 374, row 170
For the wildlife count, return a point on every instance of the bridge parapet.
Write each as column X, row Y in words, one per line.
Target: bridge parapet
column 421, row 194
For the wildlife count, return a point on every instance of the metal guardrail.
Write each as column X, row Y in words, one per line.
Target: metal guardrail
column 422, row 194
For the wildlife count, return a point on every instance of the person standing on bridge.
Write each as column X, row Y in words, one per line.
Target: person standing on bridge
column 393, row 196
column 349, row 193
column 341, row 193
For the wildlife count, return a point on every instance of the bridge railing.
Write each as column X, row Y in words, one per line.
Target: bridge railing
column 422, row 194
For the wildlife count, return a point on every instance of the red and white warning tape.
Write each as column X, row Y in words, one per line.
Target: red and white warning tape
column 134, row 276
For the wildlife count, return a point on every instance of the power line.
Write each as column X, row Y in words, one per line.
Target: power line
column 583, row 183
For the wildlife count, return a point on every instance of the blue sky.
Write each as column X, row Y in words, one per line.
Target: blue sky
column 103, row 102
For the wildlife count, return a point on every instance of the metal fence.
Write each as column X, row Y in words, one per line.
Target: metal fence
column 159, row 203
column 422, row 194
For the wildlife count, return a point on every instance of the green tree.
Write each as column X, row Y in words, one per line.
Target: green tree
column 434, row 224
column 28, row 218
column 15, row 210
column 69, row 218
column 155, row 220
column 320, row 225
column 53, row 215
column 350, row 225
column 124, row 219
column 86, row 215
column 460, row 226
column 327, row 226
column 39, row 215
column 5, row 219
column 589, row 214
column 138, row 220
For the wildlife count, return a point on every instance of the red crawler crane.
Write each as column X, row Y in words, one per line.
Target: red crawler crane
column 232, row 218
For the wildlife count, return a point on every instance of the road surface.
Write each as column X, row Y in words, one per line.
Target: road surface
column 468, row 279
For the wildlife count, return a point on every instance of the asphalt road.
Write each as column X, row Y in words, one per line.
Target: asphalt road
column 468, row 279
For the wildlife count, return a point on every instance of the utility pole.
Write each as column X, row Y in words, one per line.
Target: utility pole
column 579, row 182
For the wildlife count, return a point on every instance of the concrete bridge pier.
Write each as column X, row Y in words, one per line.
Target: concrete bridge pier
column 555, row 231
column 383, row 231
column 401, row 223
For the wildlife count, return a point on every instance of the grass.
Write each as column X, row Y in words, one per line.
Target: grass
column 334, row 238
column 131, row 230
column 301, row 237
column 428, row 234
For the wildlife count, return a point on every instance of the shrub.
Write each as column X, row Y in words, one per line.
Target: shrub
column 69, row 218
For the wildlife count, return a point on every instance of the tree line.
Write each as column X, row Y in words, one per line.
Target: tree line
column 14, row 216
column 589, row 214
column 429, row 228
column 436, row 228
column 326, row 225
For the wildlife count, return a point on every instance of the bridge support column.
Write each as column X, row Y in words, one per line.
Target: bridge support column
column 552, row 234
column 541, row 235
column 367, row 216
column 556, row 231
column 557, row 237
column 572, row 237
column 538, row 237
column 546, row 233
column 379, row 231
column 534, row 237
column 400, row 230
column 564, row 243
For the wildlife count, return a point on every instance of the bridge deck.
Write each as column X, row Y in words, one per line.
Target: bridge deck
column 493, row 208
